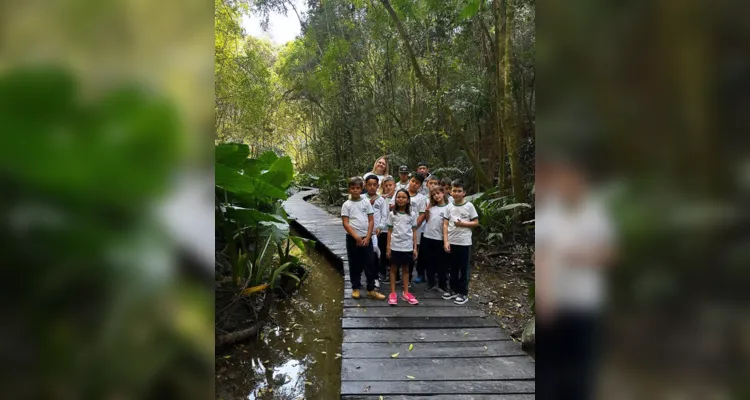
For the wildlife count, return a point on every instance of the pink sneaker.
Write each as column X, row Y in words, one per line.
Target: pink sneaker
column 410, row 298
column 392, row 299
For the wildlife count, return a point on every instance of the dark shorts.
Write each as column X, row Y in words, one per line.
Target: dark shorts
column 401, row 257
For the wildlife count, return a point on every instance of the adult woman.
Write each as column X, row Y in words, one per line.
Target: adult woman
column 379, row 169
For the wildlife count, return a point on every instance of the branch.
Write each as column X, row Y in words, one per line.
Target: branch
column 405, row 38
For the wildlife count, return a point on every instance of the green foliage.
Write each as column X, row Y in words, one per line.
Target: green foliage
column 249, row 217
column 497, row 220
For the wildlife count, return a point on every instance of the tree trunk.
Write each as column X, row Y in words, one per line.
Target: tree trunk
column 510, row 122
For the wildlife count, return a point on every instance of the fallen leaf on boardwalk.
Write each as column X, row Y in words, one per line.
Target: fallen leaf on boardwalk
column 323, row 352
column 410, row 377
column 380, row 398
column 308, row 383
column 266, row 362
column 466, row 333
column 411, row 347
column 395, row 355
column 485, row 348
column 289, row 348
column 338, row 355
column 359, row 305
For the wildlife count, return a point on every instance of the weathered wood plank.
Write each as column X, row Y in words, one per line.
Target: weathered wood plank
column 423, row 303
column 499, row 348
column 405, row 310
column 417, row 322
column 423, row 335
column 445, row 397
column 418, row 292
column 435, row 387
column 455, row 369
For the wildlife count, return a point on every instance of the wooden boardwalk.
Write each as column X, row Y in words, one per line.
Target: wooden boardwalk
column 457, row 353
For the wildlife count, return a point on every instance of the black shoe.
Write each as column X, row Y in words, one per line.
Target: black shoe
column 461, row 299
column 383, row 278
column 449, row 295
column 430, row 288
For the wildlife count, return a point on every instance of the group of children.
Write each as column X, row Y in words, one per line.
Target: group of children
column 420, row 221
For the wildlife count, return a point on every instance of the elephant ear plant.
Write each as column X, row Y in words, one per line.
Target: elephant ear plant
column 250, row 220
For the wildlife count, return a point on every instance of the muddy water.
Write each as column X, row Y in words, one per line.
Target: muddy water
column 296, row 355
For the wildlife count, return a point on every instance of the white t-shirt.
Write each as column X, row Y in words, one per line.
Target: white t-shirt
column 576, row 286
column 434, row 227
column 400, row 186
column 465, row 212
column 358, row 211
column 449, row 198
column 418, row 206
column 380, row 207
column 402, row 238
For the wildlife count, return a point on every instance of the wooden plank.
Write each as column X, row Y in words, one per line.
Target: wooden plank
column 445, row 397
column 417, row 322
column 433, row 387
column 406, row 310
column 418, row 292
column 454, row 369
column 499, row 348
column 349, row 302
column 423, row 335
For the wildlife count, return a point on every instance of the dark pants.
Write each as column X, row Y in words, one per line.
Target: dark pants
column 382, row 263
column 360, row 259
column 434, row 260
column 459, row 267
column 566, row 354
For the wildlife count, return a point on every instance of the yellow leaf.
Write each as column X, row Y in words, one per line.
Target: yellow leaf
column 394, row 355
column 411, row 347
column 410, row 377
column 254, row 289
column 380, row 398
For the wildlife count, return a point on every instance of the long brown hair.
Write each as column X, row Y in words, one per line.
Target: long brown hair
column 440, row 189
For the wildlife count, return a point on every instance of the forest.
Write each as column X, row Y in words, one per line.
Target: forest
column 447, row 83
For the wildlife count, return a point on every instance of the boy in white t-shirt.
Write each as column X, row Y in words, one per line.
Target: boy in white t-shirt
column 357, row 217
column 446, row 184
column 380, row 216
column 460, row 217
column 403, row 176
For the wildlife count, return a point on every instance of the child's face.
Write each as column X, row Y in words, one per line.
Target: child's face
column 447, row 188
column 432, row 183
column 422, row 170
column 438, row 196
column 354, row 191
column 403, row 176
column 401, row 199
column 371, row 186
column 458, row 194
column 414, row 185
column 388, row 187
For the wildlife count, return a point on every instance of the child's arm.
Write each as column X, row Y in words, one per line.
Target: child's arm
column 348, row 228
column 370, row 224
column 414, row 240
column 388, row 243
column 471, row 224
column 446, row 243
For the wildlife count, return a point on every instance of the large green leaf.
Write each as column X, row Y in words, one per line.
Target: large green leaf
column 249, row 216
column 280, row 173
column 231, row 154
column 267, row 159
column 232, row 180
column 470, row 9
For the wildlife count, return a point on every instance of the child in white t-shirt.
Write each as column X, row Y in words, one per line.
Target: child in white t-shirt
column 459, row 218
column 402, row 244
column 380, row 216
column 357, row 217
column 446, row 184
column 418, row 204
column 432, row 252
